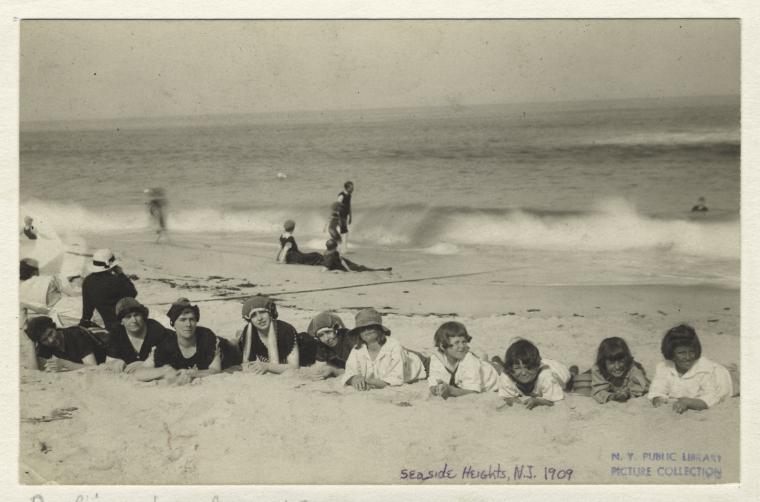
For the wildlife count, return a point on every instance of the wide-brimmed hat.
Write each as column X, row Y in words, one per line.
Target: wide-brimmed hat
column 179, row 306
column 37, row 326
column 129, row 304
column 102, row 260
column 259, row 302
column 368, row 318
column 324, row 320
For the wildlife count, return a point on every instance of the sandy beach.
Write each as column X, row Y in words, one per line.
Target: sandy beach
column 91, row 427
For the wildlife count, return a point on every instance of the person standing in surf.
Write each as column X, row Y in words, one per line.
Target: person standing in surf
column 344, row 198
column 156, row 207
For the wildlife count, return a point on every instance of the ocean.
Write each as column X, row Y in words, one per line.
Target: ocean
column 604, row 185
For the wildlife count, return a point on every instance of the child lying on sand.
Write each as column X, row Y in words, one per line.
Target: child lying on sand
column 378, row 360
column 690, row 380
column 454, row 370
column 616, row 376
column 529, row 380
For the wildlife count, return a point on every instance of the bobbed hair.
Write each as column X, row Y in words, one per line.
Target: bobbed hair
column 348, row 184
column 682, row 335
column 448, row 330
column 522, row 351
column 613, row 349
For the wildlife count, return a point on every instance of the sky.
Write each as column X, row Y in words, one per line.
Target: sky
column 99, row 69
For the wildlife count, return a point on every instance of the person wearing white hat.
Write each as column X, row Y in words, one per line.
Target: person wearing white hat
column 103, row 288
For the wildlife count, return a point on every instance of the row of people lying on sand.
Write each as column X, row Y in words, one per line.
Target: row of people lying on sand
column 367, row 357
column 331, row 259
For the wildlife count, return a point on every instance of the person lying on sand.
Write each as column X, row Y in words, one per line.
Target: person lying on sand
column 191, row 352
column 334, row 261
column 133, row 340
column 454, row 370
column 688, row 379
column 62, row 349
column 529, row 380
column 377, row 361
column 267, row 344
column 333, row 346
column 289, row 252
column 616, row 376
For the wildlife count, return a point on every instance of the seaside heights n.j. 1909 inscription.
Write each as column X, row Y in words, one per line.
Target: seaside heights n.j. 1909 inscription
column 493, row 472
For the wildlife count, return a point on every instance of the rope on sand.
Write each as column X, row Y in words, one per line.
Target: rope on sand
column 367, row 284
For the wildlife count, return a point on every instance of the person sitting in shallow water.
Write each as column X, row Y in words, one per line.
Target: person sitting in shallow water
column 700, row 207
column 289, row 252
column 334, row 261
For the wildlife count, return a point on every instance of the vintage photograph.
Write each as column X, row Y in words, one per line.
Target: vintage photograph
column 379, row 252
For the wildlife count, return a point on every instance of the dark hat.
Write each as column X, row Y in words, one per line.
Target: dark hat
column 330, row 244
column 37, row 326
column 179, row 306
column 289, row 225
column 324, row 320
column 127, row 305
column 368, row 318
column 259, row 302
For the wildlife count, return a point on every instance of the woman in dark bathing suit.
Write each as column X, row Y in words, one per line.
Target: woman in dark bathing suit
column 289, row 252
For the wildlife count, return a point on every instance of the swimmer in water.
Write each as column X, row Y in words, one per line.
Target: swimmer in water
column 700, row 207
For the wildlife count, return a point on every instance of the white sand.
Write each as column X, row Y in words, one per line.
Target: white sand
column 243, row 428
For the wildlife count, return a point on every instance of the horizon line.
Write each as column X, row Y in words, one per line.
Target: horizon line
column 455, row 107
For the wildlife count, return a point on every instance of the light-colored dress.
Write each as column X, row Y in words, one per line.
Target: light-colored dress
column 706, row 380
column 550, row 383
column 393, row 364
column 470, row 374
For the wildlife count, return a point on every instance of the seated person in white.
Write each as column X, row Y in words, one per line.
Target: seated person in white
column 529, row 380
column 378, row 360
column 454, row 370
column 690, row 380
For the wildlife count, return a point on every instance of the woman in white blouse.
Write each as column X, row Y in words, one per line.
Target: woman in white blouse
column 378, row 360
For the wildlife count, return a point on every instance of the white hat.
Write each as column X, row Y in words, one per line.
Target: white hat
column 102, row 260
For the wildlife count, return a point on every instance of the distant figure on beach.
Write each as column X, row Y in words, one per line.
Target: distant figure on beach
column 454, row 370
column 190, row 352
column 529, row 380
column 267, row 344
column 29, row 231
column 38, row 294
column 103, row 288
column 700, row 207
column 332, row 260
column 63, row 349
column 157, row 209
column 332, row 226
column 333, row 346
column 378, row 360
column 344, row 198
column 289, row 252
column 136, row 336
column 686, row 377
